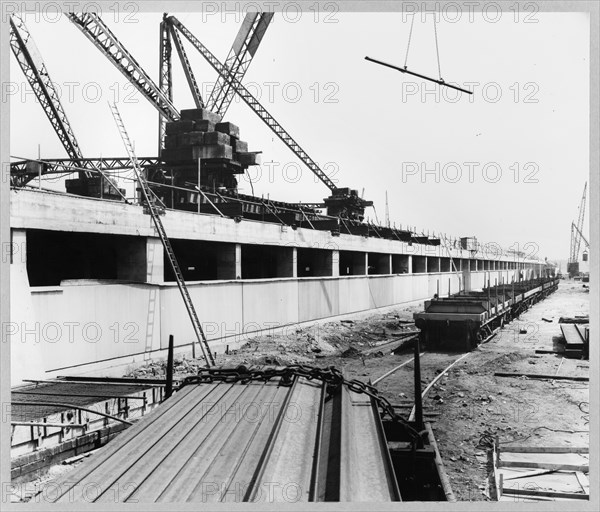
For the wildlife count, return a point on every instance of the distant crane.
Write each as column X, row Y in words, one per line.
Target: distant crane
column 577, row 236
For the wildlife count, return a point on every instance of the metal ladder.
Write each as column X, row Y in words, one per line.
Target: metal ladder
column 154, row 212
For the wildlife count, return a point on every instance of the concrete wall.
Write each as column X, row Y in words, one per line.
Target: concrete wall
column 73, row 326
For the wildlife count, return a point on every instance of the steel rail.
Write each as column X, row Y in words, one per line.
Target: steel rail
column 411, row 416
column 395, row 369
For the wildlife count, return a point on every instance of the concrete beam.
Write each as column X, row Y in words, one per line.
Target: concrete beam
column 29, row 210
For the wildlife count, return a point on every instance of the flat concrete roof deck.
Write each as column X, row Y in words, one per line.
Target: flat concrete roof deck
column 44, row 210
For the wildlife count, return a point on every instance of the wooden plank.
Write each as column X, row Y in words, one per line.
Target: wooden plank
column 445, row 481
column 583, row 481
column 543, row 465
column 571, row 334
column 545, row 449
column 547, row 494
column 497, row 476
column 527, row 474
column 541, row 376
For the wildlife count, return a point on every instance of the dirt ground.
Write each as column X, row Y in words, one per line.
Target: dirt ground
column 469, row 405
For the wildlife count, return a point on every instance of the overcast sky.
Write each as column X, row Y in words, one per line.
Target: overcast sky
column 507, row 164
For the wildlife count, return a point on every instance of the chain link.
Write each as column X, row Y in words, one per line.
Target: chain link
column 330, row 376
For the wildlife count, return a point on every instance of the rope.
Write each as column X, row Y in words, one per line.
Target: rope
column 437, row 50
column 409, row 38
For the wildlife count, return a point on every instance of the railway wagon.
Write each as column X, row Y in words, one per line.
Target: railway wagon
column 463, row 320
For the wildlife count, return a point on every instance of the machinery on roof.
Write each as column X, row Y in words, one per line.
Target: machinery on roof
column 210, row 169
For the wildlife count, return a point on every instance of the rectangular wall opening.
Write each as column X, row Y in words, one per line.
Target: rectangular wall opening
column 202, row 261
column 400, row 263
column 267, row 261
column 352, row 263
column 445, row 265
column 433, row 264
column 419, row 264
column 379, row 263
column 473, row 265
column 54, row 256
column 314, row 262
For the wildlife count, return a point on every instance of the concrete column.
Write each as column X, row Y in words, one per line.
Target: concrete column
column 389, row 264
column 238, row 261
column 466, row 280
column 155, row 261
column 335, row 263
column 410, row 267
column 17, row 251
column 294, row 262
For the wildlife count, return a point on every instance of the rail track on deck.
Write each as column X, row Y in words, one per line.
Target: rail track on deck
column 404, row 372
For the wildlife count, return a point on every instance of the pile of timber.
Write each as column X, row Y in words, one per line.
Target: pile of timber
column 200, row 134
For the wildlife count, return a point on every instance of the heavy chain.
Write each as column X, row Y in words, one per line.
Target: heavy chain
column 330, row 376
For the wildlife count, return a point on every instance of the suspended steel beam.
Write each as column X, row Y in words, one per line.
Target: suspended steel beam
column 240, row 56
column 187, row 68
column 102, row 37
column 579, row 225
column 574, row 227
column 254, row 104
column 404, row 70
column 165, row 78
column 36, row 72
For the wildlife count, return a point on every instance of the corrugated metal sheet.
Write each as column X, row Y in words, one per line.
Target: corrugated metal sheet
column 75, row 394
column 234, row 442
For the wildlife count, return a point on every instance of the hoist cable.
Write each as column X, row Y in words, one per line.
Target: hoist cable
column 437, row 50
column 409, row 38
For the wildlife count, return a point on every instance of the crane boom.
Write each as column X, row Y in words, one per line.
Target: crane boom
column 240, row 56
column 165, row 78
column 36, row 72
column 187, row 68
column 102, row 37
column 254, row 104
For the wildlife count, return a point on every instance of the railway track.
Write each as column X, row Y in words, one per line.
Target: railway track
column 409, row 406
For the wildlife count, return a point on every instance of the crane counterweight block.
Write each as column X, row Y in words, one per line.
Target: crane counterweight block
column 352, row 203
